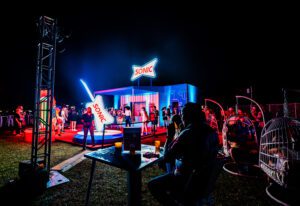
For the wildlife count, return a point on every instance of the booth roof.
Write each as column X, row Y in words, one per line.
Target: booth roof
column 124, row 91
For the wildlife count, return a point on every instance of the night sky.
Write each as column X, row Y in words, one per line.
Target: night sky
column 221, row 50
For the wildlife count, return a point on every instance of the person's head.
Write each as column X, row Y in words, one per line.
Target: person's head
column 240, row 112
column 20, row 107
column 18, row 110
column 192, row 113
column 175, row 111
column 89, row 110
column 253, row 108
column 176, row 119
column 230, row 110
column 143, row 109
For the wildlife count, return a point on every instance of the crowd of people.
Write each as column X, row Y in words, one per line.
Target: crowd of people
column 68, row 117
column 256, row 117
column 125, row 115
column 18, row 119
column 190, row 150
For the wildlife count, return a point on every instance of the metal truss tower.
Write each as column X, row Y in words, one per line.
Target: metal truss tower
column 44, row 92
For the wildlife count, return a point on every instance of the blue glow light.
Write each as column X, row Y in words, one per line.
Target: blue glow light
column 116, row 101
column 101, row 115
column 88, row 90
column 192, row 93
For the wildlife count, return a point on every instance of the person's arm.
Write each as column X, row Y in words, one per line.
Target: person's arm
column 93, row 120
column 18, row 122
column 176, row 147
column 170, row 133
column 82, row 119
column 170, row 136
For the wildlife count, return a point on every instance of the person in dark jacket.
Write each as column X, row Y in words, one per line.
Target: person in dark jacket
column 195, row 151
column 88, row 124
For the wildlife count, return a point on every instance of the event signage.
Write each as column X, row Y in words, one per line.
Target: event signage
column 102, row 116
column 145, row 70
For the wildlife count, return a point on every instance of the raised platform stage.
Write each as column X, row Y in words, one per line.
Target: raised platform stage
column 74, row 138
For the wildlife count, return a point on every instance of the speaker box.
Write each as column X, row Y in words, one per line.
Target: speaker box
column 26, row 168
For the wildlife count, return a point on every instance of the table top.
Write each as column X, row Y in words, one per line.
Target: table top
column 126, row 161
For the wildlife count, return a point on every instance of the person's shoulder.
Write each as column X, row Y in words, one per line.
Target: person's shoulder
column 186, row 131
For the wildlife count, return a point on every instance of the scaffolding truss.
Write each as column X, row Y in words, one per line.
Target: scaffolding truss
column 44, row 92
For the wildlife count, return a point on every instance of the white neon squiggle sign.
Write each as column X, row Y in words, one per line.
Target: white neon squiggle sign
column 101, row 115
column 145, row 70
column 87, row 90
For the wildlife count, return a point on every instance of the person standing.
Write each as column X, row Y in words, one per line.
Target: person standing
column 165, row 117
column 144, row 120
column 154, row 114
column 127, row 116
column 64, row 116
column 73, row 118
column 18, row 118
column 88, row 125
column 59, row 121
column 120, row 118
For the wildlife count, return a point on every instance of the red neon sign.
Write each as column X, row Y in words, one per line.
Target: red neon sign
column 99, row 112
column 145, row 70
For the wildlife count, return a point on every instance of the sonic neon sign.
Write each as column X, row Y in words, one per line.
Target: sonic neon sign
column 101, row 115
column 145, row 70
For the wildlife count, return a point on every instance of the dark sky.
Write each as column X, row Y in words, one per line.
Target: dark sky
column 220, row 49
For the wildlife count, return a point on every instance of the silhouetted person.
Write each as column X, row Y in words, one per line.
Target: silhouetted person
column 88, row 124
column 154, row 114
column 18, row 120
column 145, row 118
column 127, row 115
column 195, row 151
column 73, row 118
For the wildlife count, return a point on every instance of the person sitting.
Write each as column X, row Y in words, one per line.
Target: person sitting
column 244, row 148
column 230, row 112
column 195, row 151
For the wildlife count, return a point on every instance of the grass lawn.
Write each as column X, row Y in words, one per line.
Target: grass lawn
column 109, row 183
